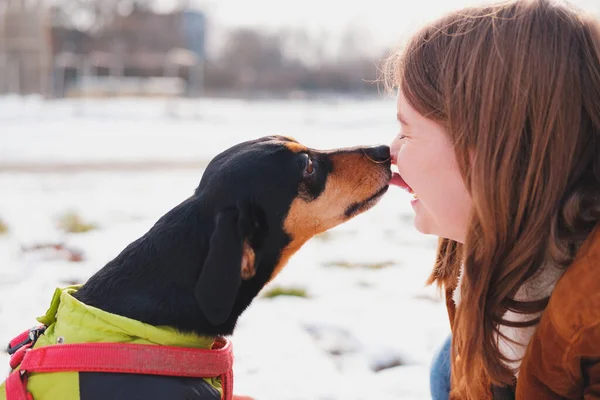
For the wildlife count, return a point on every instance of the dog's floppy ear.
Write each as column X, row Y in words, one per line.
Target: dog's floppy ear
column 253, row 225
column 220, row 277
column 232, row 248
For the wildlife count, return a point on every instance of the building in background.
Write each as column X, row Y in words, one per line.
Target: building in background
column 25, row 47
column 107, row 48
column 194, row 32
column 143, row 53
column 139, row 53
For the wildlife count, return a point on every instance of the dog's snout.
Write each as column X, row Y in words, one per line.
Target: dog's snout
column 378, row 153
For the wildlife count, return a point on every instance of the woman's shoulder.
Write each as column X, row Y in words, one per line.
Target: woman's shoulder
column 557, row 362
column 575, row 301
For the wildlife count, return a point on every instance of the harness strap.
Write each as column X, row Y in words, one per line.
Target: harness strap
column 126, row 358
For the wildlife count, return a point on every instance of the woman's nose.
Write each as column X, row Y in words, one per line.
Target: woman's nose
column 394, row 149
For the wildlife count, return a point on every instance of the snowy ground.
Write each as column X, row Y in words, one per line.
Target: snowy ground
column 367, row 308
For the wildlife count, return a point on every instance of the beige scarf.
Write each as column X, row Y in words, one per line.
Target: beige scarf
column 538, row 287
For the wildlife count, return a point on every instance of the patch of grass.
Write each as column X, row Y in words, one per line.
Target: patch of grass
column 3, row 228
column 281, row 291
column 72, row 222
column 349, row 265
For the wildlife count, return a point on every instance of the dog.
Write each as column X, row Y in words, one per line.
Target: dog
column 202, row 263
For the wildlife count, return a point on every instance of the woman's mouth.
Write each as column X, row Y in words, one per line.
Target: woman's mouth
column 397, row 180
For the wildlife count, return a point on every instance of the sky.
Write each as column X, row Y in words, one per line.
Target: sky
column 381, row 23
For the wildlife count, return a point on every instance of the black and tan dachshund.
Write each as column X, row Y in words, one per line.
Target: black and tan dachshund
column 201, row 265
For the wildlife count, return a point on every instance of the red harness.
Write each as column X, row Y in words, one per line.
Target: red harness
column 117, row 358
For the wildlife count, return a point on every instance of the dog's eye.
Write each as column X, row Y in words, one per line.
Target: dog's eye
column 309, row 169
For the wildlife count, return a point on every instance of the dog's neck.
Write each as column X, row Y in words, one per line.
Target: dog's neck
column 120, row 289
column 152, row 280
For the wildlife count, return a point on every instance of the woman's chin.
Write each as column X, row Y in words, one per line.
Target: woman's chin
column 422, row 224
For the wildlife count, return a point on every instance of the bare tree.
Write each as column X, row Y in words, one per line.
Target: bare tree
column 94, row 15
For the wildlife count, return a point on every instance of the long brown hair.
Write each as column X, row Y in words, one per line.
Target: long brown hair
column 517, row 87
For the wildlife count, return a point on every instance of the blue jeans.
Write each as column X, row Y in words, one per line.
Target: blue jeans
column 439, row 376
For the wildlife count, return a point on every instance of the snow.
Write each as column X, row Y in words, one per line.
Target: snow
column 368, row 329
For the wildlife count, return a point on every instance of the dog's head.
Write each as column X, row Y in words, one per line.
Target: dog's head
column 268, row 197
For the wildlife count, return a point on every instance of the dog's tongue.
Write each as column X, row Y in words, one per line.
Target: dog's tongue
column 397, row 180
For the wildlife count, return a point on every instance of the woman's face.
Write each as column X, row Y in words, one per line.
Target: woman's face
column 428, row 168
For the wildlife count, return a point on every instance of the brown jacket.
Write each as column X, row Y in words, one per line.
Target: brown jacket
column 562, row 360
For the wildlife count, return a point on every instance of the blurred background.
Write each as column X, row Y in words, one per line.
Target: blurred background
column 74, row 48
column 111, row 109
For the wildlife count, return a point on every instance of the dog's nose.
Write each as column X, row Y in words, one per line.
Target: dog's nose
column 378, row 153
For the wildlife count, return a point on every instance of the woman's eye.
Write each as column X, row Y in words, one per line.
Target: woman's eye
column 309, row 166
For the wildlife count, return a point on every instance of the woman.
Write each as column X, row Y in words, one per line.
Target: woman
column 499, row 112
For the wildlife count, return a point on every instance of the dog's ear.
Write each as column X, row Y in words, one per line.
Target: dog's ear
column 232, row 256
column 253, row 226
column 220, row 278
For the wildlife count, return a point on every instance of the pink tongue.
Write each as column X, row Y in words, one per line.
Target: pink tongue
column 398, row 181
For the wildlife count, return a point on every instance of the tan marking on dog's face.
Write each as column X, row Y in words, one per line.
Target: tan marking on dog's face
column 248, row 262
column 353, row 179
column 295, row 147
column 290, row 138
